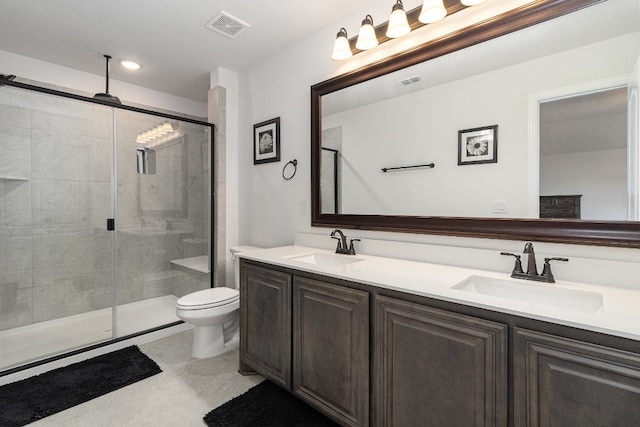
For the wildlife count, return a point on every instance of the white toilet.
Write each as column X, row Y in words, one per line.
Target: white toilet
column 214, row 314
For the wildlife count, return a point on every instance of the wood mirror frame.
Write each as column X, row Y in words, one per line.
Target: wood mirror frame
column 603, row 233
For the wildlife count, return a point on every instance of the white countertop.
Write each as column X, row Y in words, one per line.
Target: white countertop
column 619, row 315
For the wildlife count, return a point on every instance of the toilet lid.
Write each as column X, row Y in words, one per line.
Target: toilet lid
column 208, row 298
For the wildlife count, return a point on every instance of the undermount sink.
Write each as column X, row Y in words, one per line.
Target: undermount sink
column 326, row 260
column 547, row 295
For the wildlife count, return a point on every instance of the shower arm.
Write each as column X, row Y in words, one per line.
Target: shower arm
column 107, row 66
column 106, row 96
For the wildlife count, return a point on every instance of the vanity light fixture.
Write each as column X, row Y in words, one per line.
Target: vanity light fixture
column 432, row 11
column 367, row 35
column 154, row 133
column 130, row 65
column 341, row 47
column 398, row 24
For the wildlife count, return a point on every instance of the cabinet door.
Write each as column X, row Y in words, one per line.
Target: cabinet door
column 564, row 382
column 437, row 368
column 331, row 349
column 265, row 323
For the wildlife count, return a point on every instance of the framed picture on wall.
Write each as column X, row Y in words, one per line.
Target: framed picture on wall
column 266, row 141
column 478, row 145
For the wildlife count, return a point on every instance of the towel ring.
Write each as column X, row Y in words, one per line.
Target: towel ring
column 293, row 162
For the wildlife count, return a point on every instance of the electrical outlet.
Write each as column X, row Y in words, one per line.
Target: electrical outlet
column 499, row 206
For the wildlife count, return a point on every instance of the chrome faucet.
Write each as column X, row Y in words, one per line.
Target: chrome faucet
column 532, row 269
column 342, row 247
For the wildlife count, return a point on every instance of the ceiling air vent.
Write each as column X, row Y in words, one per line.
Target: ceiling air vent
column 227, row 25
column 410, row 80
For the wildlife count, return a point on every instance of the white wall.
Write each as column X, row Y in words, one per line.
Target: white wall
column 52, row 74
column 599, row 176
column 280, row 86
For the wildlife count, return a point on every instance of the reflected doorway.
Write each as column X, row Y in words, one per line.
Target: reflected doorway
column 583, row 156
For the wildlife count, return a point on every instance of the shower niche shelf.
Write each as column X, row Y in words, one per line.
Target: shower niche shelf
column 14, row 178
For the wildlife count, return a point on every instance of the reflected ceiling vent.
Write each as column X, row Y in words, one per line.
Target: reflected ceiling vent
column 227, row 25
column 410, row 80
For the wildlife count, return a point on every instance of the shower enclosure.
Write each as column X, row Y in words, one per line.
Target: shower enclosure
column 105, row 216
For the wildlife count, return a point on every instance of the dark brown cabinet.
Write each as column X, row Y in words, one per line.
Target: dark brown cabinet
column 438, row 368
column 265, row 323
column 431, row 362
column 331, row 349
column 564, row 382
column 309, row 336
column 560, row 206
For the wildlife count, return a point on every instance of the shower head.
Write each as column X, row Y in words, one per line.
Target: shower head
column 106, row 96
column 6, row 77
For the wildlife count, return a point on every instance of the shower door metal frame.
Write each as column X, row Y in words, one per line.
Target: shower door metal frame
column 212, row 248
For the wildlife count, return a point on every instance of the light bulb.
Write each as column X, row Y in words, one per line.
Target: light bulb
column 471, row 2
column 367, row 36
column 167, row 128
column 398, row 25
column 432, row 11
column 130, row 65
column 341, row 47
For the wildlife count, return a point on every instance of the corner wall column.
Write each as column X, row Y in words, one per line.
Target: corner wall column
column 217, row 116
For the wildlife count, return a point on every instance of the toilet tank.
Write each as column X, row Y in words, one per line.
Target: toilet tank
column 236, row 262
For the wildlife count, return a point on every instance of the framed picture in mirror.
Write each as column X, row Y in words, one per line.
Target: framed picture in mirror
column 478, row 145
column 266, row 141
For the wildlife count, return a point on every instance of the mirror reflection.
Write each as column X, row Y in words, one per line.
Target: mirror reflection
column 557, row 95
column 584, row 156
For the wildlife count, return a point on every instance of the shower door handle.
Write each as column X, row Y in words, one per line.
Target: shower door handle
column 111, row 224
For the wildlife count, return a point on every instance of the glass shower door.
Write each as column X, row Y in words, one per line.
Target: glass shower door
column 56, row 290
column 68, row 168
column 163, row 206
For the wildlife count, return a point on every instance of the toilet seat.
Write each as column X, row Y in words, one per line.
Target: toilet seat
column 208, row 298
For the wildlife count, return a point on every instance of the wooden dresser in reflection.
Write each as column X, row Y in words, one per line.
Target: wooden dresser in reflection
column 560, row 206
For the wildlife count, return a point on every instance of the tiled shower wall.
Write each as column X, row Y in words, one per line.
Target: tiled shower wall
column 55, row 197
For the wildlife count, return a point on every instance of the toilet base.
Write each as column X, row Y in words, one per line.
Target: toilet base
column 208, row 341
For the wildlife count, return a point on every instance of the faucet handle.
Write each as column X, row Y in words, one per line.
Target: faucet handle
column 339, row 247
column 352, row 250
column 517, row 268
column 546, row 271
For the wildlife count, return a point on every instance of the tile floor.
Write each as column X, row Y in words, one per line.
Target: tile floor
column 181, row 395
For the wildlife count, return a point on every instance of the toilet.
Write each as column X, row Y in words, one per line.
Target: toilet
column 214, row 314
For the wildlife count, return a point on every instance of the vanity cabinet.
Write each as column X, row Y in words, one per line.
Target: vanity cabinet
column 331, row 349
column 562, row 382
column 431, row 362
column 438, row 368
column 265, row 323
column 310, row 336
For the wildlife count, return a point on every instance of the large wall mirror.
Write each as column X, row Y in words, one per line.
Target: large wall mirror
column 529, row 120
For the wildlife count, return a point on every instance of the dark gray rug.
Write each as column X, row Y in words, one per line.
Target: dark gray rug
column 266, row 405
column 37, row 397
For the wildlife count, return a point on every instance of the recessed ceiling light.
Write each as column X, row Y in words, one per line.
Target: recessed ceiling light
column 130, row 65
